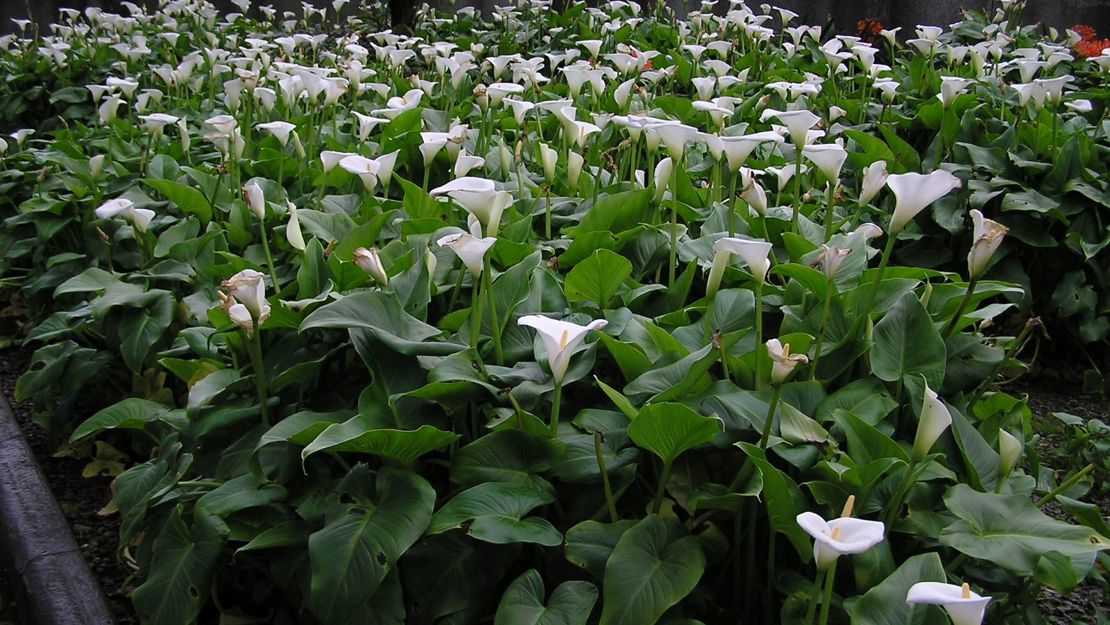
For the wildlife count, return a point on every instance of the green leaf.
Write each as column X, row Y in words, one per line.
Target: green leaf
column 495, row 511
column 784, row 501
column 141, row 328
column 188, row 199
column 597, row 278
column 353, row 553
column 522, row 603
column 380, row 314
column 907, row 344
column 505, row 456
column 668, row 430
column 246, row 491
column 359, row 435
column 616, row 212
column 590, row 543
column 130, row 414
column 654, row 565
column 1010, row 532
column 179, row 580
column 885, row 604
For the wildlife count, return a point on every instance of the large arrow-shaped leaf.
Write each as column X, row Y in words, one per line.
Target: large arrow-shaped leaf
column 522, row 603
column 351, row 556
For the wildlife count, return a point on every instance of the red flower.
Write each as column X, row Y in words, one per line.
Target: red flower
column 1086, row 33
column 1092, row 48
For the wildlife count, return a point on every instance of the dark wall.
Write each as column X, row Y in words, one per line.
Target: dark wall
column 845, row 13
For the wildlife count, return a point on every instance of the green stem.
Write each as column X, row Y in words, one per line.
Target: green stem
column 821, row 333
column 952, row 323
column 475, row 313
column 547, row 212
column 199, row 484
column 254, row 346
column 673, row 258
column 899, row 495
column 269, row 258
column 763, row 440
column 1011, row 351
column 556, row 401
column 830, row 211
column 495, row 327
column 797, row 190
column 758, row 332
column 605, row 485
column 814, row 597
column 657, row 503
column 1066, row 484
column 826, row 604
column 733, row 178
column 866, row 312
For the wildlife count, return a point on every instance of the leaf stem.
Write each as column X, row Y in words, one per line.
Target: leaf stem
column 555, row 405
column 1066, row 484
column 955, row 321
column 826, row 604
column 254, row 346
column 605, row 485
column 673, row 258
column 763, row 440
column 475, row 313
column 269, row 257
column 657, row 503
column 495, row 327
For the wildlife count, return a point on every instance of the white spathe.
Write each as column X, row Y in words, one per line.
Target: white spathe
column 560, row 338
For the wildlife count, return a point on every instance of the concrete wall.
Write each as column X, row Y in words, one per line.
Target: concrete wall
column 845, row 13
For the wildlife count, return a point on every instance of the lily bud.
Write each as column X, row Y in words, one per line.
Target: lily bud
column 575, row 163
column 783, row 362
column 935, row 419
column 988, row 236
column 549, row 159
column 663, row 172
column 293, row 229
column 249, row 288
column 874, row 177
column 256, row 200
column 1009, row 452
column 831, row 258
column 369, row 261
column 96, row 165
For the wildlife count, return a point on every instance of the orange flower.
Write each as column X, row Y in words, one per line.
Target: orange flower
column 1085, row 32
column 1092, row 48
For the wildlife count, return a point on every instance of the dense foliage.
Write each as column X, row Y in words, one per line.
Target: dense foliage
column 579, row 317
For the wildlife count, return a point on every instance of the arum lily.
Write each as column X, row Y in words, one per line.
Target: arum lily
column 480, row 197
column 935, row 419
column 798, row 123
column 470, row 249
column 754, row 254
column 832, row 539
column 140, row 218
column 157, row 122
column 575, row 162
column 293, row 232
column 369, row 261
column 247, row 291
column 988, row 235
column 838, row 537
column 280, row 130
column 255, row 199
column 560, row 338
column 1009, row 453
column 783, row 362
column 662, row 177
column 963, row 606
column 874, row 177
column 913, row 192
column 950, row 88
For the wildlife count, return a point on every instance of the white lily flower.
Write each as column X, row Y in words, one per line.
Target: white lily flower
column 842, row 536
column 663, row 170
column 964, row 607
column 950, row 87
column 783, row 362
column 329, row 159
column 754, row 254
column 469, row 248
column 157, row 122
column 255, row 199
column 279, row 129
column 874, row 177
column 369, row 261
column 140, row 218
column 738, row 149
column 366, row 124
column 753, row 193
column 913, row 192
column 935, row 419
column 480, row 197
column 466, row 162
column 109, row 109
column 1009, row 452
column 293, row 232
column 798, row 123
column 828, row 157
column 987, row 236
column 831, row 258
column 675, row 137
column 96, row 163
column 560, row 338
column 248, row 287
column 575, row 162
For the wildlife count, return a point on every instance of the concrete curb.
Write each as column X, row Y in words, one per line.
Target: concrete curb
column 56, row 586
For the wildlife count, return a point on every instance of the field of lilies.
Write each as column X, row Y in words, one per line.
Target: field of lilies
column 592, row 316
